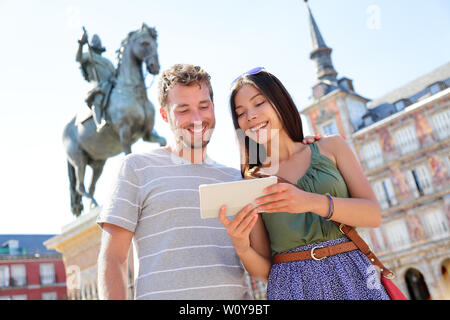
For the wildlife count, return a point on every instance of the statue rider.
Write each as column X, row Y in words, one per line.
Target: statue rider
column 98, row 71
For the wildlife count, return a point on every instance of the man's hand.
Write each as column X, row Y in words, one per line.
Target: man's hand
column 240, row 227
column 311, row 139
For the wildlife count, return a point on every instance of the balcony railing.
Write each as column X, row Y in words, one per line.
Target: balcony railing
column 408, row 146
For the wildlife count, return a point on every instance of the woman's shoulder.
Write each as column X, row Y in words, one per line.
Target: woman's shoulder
column 329, row 141
column 331, row 145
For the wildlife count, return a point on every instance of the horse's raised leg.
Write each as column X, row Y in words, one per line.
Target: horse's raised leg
column 125, row 135
column 153, row 136
column 97, row 167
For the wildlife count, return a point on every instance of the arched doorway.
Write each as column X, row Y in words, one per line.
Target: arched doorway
column 417, row 288
column 445, row 282
column 445, row 268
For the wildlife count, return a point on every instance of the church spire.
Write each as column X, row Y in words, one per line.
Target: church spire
column 320, row 54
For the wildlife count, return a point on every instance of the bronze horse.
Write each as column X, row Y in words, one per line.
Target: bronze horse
column 129, row 115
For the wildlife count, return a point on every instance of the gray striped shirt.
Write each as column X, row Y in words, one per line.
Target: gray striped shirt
column 181, row 256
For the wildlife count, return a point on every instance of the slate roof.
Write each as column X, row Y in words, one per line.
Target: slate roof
column 415, row 89
column 29, row 244
column 410, row 93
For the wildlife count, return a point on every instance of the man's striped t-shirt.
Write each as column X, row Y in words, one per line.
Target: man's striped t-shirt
column 181, row 255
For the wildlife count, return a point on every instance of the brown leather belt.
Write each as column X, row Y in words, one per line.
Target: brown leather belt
column 317, row 253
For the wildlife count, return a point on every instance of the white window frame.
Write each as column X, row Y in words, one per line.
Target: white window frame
column 405, row 139
column 372, row 154
column 440, row 121
column 397, row 234
column 331, row 122
column 47, row 272
column 434, row 223
column 424, row 177
column 4, row 276
column 384, row 189
column 19, row 274
column 379, row 235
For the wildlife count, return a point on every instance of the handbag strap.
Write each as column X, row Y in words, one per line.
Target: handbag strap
column 348, row 231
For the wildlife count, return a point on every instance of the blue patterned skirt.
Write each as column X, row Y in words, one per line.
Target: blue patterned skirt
column 345, row 276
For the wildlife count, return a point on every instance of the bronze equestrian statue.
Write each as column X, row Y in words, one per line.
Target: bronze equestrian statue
column 121, row 111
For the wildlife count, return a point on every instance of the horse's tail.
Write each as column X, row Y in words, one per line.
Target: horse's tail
column 76, row 202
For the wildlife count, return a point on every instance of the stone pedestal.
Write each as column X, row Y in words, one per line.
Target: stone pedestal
column 79, row 244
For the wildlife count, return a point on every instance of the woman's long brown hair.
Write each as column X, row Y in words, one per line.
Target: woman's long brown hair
column 282, row 102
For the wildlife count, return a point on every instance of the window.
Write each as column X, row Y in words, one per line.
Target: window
column 47, row 271
column 330, row 128
column 49, row 296
column 372, row 154
column 13, row 246
column 406, row 139
column 434, row 223
column 441, row 124
column 5, row 298
column 419, row 180
column 373, row 237
column 4, row 276
column 435, row 88
column 385, row 194
column 18, row 275
column 447, row 161
column 400, row 105
column 379, row 240
column 364, row 233
column 397, row 234
column 20, row 297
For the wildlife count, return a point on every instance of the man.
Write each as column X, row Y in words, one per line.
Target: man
column 98, row 71
column 155, row 202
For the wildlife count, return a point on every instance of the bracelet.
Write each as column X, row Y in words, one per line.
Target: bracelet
column 330, row 208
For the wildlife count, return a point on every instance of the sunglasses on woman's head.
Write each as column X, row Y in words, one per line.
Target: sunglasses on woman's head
column 249, row 72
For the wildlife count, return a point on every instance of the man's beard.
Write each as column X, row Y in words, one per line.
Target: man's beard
column 185, row 139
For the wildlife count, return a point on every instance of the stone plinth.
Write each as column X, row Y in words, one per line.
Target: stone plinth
column 79, row 244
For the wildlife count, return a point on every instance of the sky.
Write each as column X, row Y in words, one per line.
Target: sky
column 380, row 44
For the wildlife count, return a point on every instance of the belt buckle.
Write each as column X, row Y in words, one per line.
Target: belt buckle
column 312, row 253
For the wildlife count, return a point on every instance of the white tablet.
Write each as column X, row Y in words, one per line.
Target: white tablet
column 235, row 195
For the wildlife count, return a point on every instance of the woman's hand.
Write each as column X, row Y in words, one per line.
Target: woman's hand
column 240, row 227
column 284, row 197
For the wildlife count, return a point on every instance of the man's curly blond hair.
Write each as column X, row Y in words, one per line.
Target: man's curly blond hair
column 184, row 74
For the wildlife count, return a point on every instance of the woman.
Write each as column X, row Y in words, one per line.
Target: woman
column 300, row 220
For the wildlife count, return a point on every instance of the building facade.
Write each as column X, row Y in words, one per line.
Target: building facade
column 79, row 245
column 402, row 140
column 28, row 271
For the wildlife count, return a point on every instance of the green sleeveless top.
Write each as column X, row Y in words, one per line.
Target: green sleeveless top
column 291, row 230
